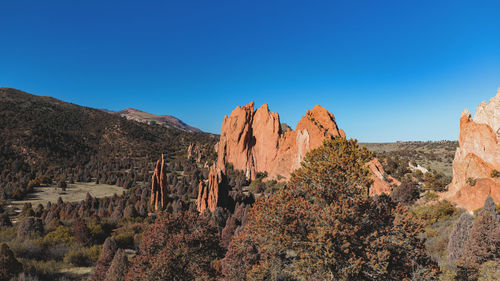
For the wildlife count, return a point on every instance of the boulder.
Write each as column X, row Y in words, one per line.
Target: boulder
column 380, row 184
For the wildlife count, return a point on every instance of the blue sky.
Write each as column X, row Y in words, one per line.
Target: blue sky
column 388, row 70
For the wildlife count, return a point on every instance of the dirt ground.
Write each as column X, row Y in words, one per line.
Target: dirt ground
column 74, row 192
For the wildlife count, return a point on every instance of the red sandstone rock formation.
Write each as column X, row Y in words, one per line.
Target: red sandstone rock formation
column 477, row 156
column 380, row 185
column 159, row 185
column 190, row 151
column 194, row 152
column 254, row 142
column 214, row 193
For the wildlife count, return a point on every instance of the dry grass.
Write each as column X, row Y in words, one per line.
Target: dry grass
column 74, row 192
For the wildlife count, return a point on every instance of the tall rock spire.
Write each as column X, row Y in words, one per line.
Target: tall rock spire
column 159, row 185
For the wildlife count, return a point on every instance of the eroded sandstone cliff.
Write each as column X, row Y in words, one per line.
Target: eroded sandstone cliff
column 253, row 141
column 477, row 156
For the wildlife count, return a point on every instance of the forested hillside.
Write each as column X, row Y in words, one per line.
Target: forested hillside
column 50, row 140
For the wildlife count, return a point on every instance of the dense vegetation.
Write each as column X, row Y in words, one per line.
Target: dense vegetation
column 320, row 225
column 44, row 141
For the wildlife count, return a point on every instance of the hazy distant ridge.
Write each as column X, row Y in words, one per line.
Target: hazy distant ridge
column 145, row 117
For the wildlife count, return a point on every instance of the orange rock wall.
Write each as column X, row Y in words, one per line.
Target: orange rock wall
column 477, row 156
column 254, row 142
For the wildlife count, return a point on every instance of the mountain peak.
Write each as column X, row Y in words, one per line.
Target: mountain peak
column 149, row 118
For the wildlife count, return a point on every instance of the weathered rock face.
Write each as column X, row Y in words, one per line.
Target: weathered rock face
column 194, row 152
column 214, row 193
column 190, row 151
column 380, row 185
column 477, row 156
column 159, row 185
column 253, row 141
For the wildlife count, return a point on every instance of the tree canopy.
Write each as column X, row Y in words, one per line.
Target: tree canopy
column 323, row 226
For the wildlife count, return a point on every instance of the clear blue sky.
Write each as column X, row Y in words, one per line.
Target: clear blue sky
column 388, row 70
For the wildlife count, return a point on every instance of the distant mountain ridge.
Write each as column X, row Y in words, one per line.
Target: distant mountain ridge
column 41, row 134
column 145, row 117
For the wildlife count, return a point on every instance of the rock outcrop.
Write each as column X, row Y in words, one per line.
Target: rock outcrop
column 380, row 184
column 253, row 141
column 212, row 193
column 477, row 156
column 159, row 185
column 256, row 141
column 194, row 152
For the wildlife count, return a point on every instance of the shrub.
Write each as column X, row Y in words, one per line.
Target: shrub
column 78, row 257
column 125, row 240
column 108, row 252
column 495, row 174
column 30, row 227
column 459, row 236
column 81, row 232
column 46, row 270
column 324, row 226
column 273, row 186
column 62, row 185
column 179, row 246
column 5, row 220
column 261, row 175
column 130, row 212
column 9, row 265
column 257, row 186
column 118, row 267
column 429, row 196
column 484, row 239
column 7, row 234
column 61, row 234
column 29, row 249
column 99, row 231
column 33, row 183
column 471, row 181
column 406, row 193
column 56, row 252
column 489, row 271
column 95, row 253
column 434, row 213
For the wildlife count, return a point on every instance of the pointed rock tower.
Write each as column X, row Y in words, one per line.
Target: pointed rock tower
column 159, row 186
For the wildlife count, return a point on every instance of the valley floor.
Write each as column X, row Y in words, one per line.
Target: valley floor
column 74, row 193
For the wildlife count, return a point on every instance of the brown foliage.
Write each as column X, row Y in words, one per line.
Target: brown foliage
column 30, row 226
column 107, row 254
column 9, row 266
column 118, row 267
column 178, row 246
column 484, row 241
column 81, row 232
column 459, row 236
column 325, row 227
